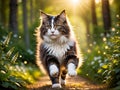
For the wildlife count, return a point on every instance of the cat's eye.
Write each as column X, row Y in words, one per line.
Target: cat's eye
column 61, row 28
column 58, row 26
column 47, row 26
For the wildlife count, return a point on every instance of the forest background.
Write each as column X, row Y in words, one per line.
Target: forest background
column 96, row 24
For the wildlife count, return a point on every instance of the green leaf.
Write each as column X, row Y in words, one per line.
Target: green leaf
column 115, row 61
column 105, row 66
column 6, row 41
column 5, row 84
column 4, row 76
column 15, row 57
column 18, row 84
column 10, row 85
column 99, row 71
column 10, row 52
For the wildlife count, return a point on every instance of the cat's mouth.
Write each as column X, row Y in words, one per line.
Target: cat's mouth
column 53, row 36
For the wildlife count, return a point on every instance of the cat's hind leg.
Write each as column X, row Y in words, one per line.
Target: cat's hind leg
column 63, row 77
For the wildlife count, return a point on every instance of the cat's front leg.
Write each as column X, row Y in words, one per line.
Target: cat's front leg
column 54, row 71
column 54, row 75
column 71, row 64
column 72, row 70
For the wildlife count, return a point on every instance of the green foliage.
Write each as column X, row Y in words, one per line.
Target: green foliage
column 102, row 63
column 111, row 68
column 13, row 73
column 7, row 60
column 25, row 54
column 3, row 31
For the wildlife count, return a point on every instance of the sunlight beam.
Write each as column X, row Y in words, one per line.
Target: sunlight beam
column 97, row 1
column 75, row 2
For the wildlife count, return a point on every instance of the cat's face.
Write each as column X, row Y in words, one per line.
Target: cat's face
column 54, row 27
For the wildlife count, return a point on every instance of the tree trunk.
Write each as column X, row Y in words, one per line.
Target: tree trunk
column 13, row 24
column 94, row 18
column 117, row 7
column 31, row 11
column 25, row 24
column 106, row 16
column 4, row 7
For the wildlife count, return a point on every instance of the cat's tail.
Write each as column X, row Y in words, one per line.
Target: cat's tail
column 38, row 61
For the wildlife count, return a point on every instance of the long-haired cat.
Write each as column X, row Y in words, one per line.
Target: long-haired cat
column 57, row 48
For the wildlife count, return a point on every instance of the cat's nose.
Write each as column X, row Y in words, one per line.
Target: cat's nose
column 52, row 32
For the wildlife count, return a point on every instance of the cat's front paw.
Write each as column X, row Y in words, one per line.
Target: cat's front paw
column 72, row 73
column 71, row 70
column 53, row 70
column 56, row 85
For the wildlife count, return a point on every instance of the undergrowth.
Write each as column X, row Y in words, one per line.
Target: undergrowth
column 102, row 61
column 14, row 74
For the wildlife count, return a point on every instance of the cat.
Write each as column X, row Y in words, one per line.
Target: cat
column 57, row 48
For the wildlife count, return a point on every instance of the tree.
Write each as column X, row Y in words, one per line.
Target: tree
column 31, row 11
column 117, row 6
column 106, row 16
column 93, row 12
column 25, row 24
column 13, row 24
column 4, row 8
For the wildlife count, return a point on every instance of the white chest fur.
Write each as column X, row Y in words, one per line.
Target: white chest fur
column 58, row 50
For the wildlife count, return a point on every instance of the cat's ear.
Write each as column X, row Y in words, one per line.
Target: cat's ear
column 62, row 14
column 43, row 15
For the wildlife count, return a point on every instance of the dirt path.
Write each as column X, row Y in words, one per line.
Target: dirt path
column 74, row 83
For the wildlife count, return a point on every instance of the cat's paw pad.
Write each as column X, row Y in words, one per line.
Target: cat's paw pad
column 63, row 82
column 72, row 73
column 57, row 85
column 54, row 70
